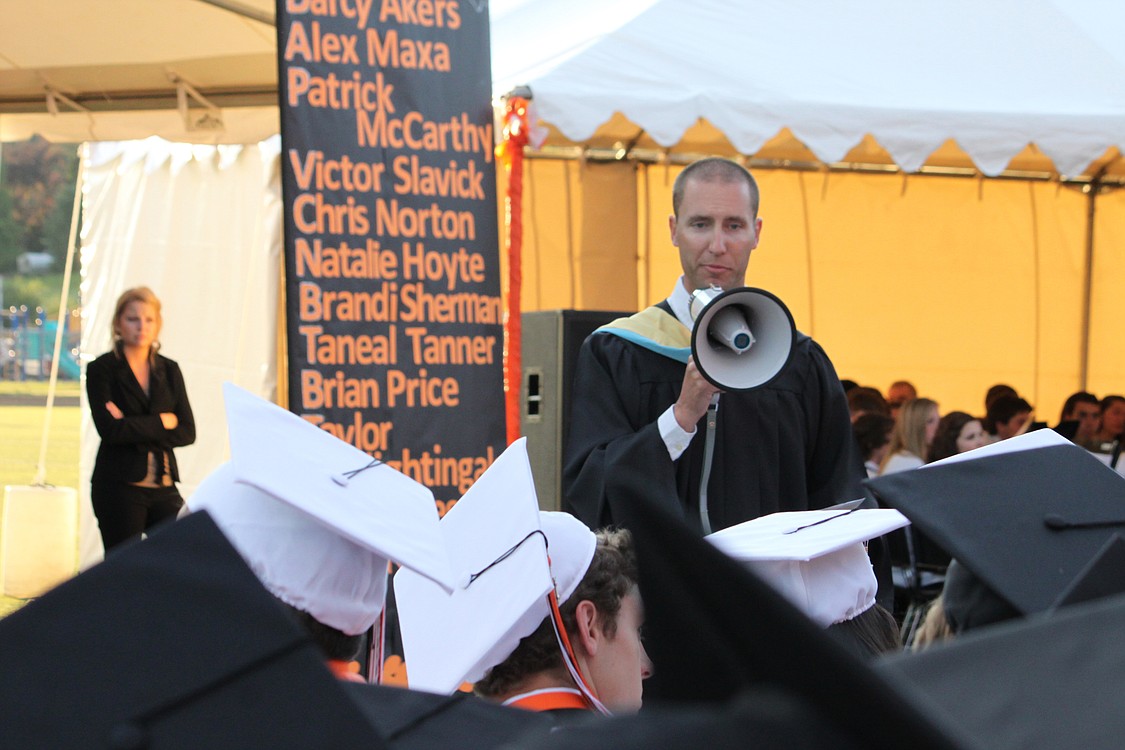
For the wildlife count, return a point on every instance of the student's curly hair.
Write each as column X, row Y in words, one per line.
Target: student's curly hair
column 611, row 576
column 872, row 432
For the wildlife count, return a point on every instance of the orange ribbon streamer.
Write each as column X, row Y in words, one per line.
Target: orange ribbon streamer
column 510, row 154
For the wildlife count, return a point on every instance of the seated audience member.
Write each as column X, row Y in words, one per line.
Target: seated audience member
column 602, row 619
column 997, row 391
column 848, row 385
column 333, row 587
column 1007, row 417
column 549, row 614
column 934, row 628
column 969, row 603
column 830, row 578
column 1079, row 419
column 913, row 433
column 873, row 632
column 898, row 394
column 340, row 649
column 957, row 432
column 1111, row 423
column 864, row 400
column 873, row 435
column 329, row 568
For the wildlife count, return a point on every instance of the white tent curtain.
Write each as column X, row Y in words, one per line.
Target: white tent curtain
column 201, row 226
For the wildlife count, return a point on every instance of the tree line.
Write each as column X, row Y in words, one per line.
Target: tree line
column 37, row 181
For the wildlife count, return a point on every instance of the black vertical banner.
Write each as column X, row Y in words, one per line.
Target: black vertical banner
column 391, row 251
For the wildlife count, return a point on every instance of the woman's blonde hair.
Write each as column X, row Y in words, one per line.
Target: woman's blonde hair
column 909, row 433
column 934, row 628
column 129, row 296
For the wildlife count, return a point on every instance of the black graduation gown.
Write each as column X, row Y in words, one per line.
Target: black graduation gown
column 787, row 446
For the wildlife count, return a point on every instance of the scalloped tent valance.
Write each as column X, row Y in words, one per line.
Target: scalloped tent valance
column 1035, row 85
column 1028, row 85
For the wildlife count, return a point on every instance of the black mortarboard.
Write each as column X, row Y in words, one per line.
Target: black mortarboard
column 171, row 643
column 416, row 720
column 759, row 718
column 1040, row 682
column 713, row 630
column 1036, row 526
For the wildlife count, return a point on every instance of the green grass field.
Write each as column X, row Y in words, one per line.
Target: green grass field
column 38, row 388
column 21, row 434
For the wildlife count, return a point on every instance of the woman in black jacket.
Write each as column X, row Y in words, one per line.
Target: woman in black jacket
column 140, row 408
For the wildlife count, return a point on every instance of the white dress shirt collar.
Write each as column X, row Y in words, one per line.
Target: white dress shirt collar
column 680, row 302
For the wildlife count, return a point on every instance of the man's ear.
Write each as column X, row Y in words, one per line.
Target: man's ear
column 672, row 228
column 589, row 628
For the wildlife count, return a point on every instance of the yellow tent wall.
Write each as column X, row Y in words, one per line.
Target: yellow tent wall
column 580, row 235
column 1107, row 352
column 954, row 283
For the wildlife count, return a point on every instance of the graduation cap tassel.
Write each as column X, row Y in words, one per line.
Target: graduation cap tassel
column 343, row 478
column 569, row 658
column 511, row 550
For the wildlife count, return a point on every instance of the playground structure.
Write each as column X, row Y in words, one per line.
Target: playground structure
column 27, row 341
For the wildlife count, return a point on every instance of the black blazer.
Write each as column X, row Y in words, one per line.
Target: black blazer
column 126, row 443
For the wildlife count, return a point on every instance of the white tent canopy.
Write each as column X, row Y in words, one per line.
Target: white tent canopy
column 76, row 70
column 1041, row 81
column 993, row 77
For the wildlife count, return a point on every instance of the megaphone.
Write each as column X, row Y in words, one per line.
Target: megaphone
column 742, row 338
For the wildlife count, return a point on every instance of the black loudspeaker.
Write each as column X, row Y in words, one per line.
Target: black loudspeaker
column 551, row 340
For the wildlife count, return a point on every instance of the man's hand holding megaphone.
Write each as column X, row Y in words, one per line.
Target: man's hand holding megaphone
column 696, row 394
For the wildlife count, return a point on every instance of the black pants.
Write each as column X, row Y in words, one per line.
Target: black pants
column 124, row 511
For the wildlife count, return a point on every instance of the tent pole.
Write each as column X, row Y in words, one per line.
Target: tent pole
column 1091, row 190
column 72, row 241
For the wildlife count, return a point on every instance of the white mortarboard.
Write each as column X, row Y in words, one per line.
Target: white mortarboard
column 493, row 534
column 1025, row 442
column 316, row 521
column 815, row 558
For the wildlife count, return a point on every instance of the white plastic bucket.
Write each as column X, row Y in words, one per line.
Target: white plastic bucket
column 39, row 543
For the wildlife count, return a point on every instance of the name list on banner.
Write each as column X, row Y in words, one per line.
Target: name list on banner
column 392, row 262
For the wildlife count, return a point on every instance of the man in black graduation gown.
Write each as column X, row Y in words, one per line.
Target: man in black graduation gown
column 640, row 405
